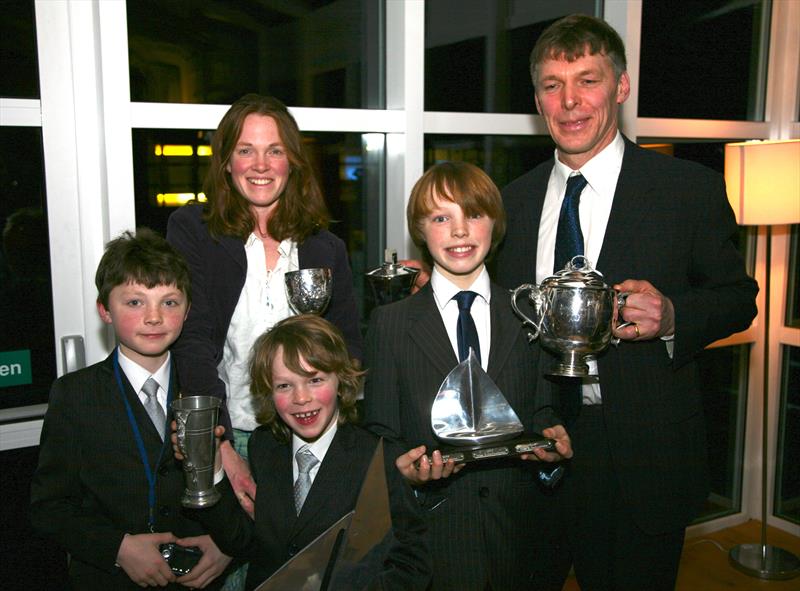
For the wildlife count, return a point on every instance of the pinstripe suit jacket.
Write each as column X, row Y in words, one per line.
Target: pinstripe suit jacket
column 490, row 523
column 90, row 487
column 670, row 224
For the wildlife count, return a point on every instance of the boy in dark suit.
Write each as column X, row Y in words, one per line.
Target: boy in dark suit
column 309, row 459
column 106, row 488
column 455, row 216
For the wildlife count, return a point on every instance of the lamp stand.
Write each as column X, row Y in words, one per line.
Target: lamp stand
column 763, row 560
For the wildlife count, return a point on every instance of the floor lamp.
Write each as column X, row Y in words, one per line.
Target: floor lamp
column 763, row 180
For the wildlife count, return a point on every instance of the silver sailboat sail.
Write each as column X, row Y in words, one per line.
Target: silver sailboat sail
column 470, row 409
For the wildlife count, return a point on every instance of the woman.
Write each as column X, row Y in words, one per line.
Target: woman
column 265, row 216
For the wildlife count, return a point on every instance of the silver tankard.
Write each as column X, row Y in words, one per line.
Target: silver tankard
column 574, row 309
column 195, row 420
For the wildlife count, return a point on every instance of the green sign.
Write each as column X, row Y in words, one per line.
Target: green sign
column 15, row 368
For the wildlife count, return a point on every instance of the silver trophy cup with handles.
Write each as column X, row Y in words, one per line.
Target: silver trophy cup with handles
column 309, row 290
column 196, row 418
column 574, row 310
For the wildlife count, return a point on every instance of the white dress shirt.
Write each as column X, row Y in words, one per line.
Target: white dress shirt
column 319, row 448
column 601, row 174
column 443, row 292
column 261, row 305
column 137, row 376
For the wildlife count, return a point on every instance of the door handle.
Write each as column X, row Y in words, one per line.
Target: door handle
column 73, row 353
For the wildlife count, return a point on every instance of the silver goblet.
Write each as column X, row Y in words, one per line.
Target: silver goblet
column 309, row 290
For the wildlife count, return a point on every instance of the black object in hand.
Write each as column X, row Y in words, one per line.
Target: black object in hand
column 181, row 559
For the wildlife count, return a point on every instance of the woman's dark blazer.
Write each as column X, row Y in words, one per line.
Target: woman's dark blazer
column 218, row 269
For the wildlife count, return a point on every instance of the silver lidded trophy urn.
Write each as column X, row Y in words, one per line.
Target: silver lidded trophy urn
column 391, row 281
column 573, row 309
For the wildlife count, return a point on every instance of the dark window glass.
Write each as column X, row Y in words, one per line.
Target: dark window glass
column 701, row 59
column 29, row 561
column 27, row 342
column 712, row 155
column 349, row 173
column 20, row 77
column 723, row 376
column 793, row 280
column 787, row 476
column 504, row 158
column 317, row 53
column 477, row 53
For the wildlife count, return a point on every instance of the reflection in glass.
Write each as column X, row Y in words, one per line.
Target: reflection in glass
column 479, row 61
column 349, row 167
column 20, row 77
column 704, row 59
column 27, row 342
column 317, row 53
column 793, row 280
column 723, row 378
column 787, row 476
column 503, row 158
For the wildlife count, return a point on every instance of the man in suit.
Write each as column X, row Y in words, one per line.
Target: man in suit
column 662, row 230
column 107, row 488
column 455, row 215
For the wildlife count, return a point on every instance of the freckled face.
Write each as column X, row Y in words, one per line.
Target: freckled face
column 146, row 320
column 579, row 102
column 259, row 165
column 307, row 404
column 458, row 242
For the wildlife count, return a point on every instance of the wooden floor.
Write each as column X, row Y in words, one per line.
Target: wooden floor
column 705, row 566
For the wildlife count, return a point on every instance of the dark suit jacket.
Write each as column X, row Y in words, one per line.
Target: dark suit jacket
column 218, row 271
column 90, row 487
column 278, row 533
column 670, row 224
column 473, row 516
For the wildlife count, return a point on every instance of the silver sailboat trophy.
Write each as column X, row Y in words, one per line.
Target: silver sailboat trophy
column 474, row 420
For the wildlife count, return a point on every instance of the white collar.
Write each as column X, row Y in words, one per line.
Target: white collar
column 601, row 172
column 285, row 247
column 137, row 375
column 444, row 289
column 319, row 447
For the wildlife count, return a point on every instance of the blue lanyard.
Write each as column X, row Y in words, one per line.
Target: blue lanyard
column 148, row 471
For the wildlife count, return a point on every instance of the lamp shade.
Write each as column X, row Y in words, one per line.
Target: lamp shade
column 763, row 181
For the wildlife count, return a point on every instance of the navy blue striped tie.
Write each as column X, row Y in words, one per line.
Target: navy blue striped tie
column 467, row 334
column 569, row 238
column 569, row 243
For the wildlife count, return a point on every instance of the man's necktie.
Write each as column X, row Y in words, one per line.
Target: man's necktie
column 569, row 238
column 305, row 463
column 153, row 407
column 569, row 243
column 467, row 334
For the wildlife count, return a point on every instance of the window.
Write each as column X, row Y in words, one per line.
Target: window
column 477, row 53
column 787, row 476
column 703, row 59
column 320, row 53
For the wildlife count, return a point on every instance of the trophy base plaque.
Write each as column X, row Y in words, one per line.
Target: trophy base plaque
column 498, row 449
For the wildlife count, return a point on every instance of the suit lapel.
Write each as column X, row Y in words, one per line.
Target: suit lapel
column 235, row 249
column 505, row 328
column 427, row 331
column 532, row 215
column 333, row 473
column 629, row 207
column 150, row 437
